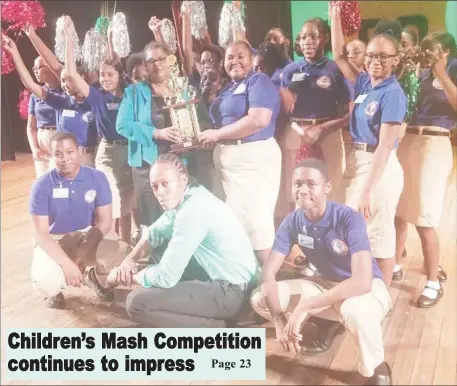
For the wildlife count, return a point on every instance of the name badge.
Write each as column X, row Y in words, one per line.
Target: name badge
column 112, row 106
column 69, row 113
column 240, row 89
column 298, row 77
column 305, row 241
column 360, row 98
column 60, row 193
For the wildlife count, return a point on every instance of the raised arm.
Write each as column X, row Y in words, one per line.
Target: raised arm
column 77, row 80
column 155, row 25
column 187, row 44
column 349, row 71
column 24, row 74
column 110, row 54
column 449, row 85
column 44, row 51
column 238, row 35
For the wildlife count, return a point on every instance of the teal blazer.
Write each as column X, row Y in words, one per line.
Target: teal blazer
column 134, row 123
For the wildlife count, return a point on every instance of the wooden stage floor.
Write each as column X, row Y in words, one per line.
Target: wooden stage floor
column 420, row 344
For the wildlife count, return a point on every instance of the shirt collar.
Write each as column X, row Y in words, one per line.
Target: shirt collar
column 326, row 220
column 320, row 63
column 58, row 179
column 385, row 82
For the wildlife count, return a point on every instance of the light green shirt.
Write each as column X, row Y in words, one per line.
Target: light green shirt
column 204, row 227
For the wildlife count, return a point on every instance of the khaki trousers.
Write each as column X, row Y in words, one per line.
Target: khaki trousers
column 361, row 315
column 44, row 142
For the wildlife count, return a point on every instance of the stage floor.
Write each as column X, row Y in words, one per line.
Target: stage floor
column 421, row 344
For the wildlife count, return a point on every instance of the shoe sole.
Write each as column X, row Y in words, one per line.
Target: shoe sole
column 430, row 305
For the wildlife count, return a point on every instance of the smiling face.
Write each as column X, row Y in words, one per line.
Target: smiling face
column 312, row 41
column 355, row 52
column 309, row 188
column 109, row 77
column 238, row 61
column 66, row 84
column 41, row 70
column 381, row 58
column 156, row 65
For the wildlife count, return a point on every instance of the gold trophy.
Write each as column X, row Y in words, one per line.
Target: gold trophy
column 182, row 106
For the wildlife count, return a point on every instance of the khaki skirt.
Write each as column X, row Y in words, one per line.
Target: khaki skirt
column 427, row 164
column 112, row 159
column 250, row 175
column 380, row 227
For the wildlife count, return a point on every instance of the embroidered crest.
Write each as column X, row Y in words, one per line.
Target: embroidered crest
column 436, row 84
column 371, row 108
column 89, row 197
column 324, row 82
column 88, row 116
column 339, row 247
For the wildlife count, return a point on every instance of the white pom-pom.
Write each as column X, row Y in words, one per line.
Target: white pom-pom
column 59, row 48
column 169, row 34
column 94, row 49
column 121, row 39
column 231, row 20
column 197, row 12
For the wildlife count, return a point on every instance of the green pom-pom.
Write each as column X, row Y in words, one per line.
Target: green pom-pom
column 101, row 26
column 411, row 86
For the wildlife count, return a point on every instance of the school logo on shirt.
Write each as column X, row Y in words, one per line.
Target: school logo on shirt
column 436, row 84
column 88, row 116
column 89, row 197
column 324, row 82
column 339, row 247
column 371, row 108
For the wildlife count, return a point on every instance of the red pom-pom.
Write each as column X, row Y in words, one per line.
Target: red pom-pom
column 23, row 104
column 7, row 60
column 308, row 152
column 20, row 13
column 351, row 20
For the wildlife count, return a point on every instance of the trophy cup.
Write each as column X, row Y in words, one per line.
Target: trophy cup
column 182, row 105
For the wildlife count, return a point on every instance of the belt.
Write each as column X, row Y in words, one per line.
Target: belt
column 420, row 131
column 47, row 128
column 230, row 142
column 116, row 142
column 363, row 147
column 88, row 150
column 309, row 121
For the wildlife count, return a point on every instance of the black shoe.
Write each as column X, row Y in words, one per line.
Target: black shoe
column 106, row 294
column 442, row 276
column 382, row 376
column 322, row 340
column 397, row 276
column 404, row 253
column 57, row 302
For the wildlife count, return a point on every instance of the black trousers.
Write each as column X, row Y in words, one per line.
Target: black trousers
column 148, row 207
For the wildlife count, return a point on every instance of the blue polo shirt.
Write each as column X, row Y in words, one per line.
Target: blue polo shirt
column 329, row 243
column 69, row 204
column 277, row 75
column 45, row 115
column 235, row 100
column 320, row 87
column 73, row 117
column 433, row 107
column 105, row 107
column 384, row 103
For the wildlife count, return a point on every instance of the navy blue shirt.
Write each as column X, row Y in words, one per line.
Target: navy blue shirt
column 384, row 103
column 69, row 204
column 105, row 107
column 45, row 115
column 320, row 87
column 329, row 243
column 235, row 100
column 276, row 78
column 73, row 117
column 433, row 106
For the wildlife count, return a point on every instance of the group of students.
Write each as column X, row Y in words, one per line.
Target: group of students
column 324, row 147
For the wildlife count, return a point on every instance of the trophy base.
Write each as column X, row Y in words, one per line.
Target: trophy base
column 185, row 146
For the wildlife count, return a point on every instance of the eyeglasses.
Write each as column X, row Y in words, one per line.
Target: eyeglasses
column 161, row 60
column 382, row 58
column 38, row 68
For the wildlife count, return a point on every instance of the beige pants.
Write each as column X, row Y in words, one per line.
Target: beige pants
column 361, row 315
column 44, row 142
column 427, row 163
column 48, row 278
column 112, row 159
column 250, row 175
column 380, row 227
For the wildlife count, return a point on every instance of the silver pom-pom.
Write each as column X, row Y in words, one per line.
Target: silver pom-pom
column 94, row 49
column 231, row 20
column 59, row 48
column 121, row 39
column 169, row 34
column 197, row 12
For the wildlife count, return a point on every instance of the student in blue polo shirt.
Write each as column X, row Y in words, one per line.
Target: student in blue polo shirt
column 73, row 115
column 271, row 59
column 247, row 156
column 373, row 179
column 41, row 123
column 350, row 286
column 316, row 98
column 425, row 154
column 112, row 153
column 71, row 216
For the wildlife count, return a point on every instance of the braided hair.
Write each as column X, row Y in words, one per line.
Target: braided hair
column 178, row 164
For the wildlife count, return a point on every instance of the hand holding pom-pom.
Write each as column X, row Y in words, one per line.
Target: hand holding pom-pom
column 351, row 20
column 155, row 24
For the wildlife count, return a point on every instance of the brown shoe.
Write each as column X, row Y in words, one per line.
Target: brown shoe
column 382, row 376
column 397, row 276
column 57, row 302
column 442, row 276
column 325, row 333
column 426, row 302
